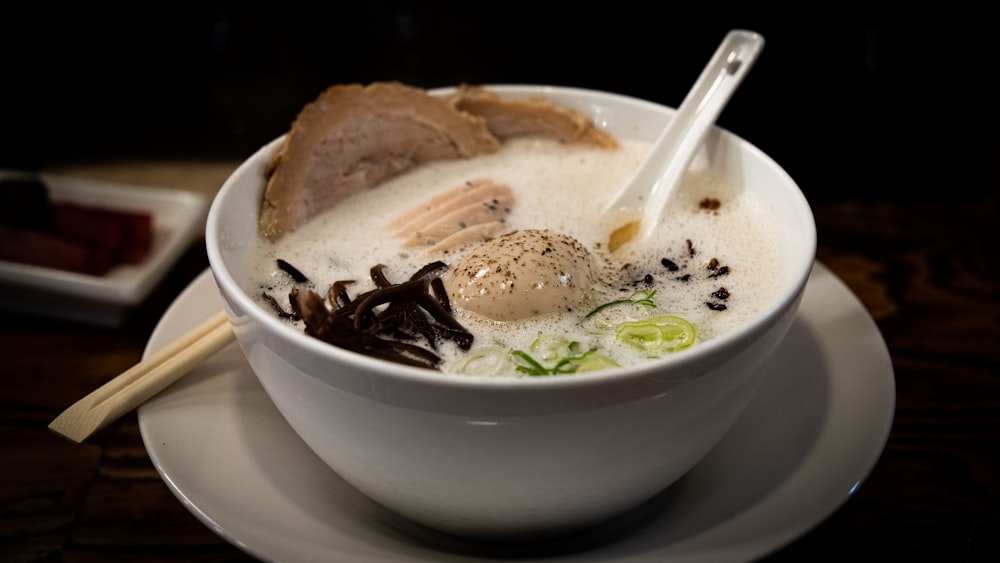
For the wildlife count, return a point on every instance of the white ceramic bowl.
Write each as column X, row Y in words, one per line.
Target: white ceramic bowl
column 496, row 458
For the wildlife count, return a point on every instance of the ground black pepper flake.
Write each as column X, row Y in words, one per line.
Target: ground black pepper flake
column 720, row 294
column 669, row 265
column 710, row 204
column 724, row 270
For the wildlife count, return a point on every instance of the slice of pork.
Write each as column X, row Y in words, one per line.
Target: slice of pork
column 473, row 212
column 509, row 118
column 483, row 192
column 355, row 137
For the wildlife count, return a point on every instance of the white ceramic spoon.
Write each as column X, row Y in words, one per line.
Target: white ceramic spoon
column 638, row 205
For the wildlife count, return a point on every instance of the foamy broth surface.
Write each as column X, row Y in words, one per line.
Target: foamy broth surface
column 562, row 188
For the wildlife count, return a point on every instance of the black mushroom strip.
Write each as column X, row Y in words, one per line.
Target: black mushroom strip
column 387, row 321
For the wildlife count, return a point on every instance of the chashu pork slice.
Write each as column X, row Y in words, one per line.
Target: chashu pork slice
column 354, row 137
column 509, row 118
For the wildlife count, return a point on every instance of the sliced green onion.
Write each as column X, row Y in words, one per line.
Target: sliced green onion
column 657, row 335
column 591, row 360
column 488, row 360
column 551, row 347
column 642, row 297
column 528, row 365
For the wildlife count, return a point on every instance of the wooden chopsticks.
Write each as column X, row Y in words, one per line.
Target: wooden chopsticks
column 144, row 380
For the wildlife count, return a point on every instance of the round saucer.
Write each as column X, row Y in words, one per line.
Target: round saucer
column 807, row 441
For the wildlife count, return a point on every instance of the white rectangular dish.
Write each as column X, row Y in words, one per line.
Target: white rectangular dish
column 178, row 218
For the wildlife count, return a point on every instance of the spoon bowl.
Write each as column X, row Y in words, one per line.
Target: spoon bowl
column 638, row 205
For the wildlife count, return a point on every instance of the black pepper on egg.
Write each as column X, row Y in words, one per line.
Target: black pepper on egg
column 554, row 272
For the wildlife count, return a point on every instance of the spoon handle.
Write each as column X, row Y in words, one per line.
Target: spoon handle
column 648, row 190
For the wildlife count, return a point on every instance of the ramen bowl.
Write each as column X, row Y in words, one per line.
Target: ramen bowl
column 514, row 458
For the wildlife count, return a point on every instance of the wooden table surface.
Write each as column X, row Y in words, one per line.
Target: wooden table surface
column 927, row 272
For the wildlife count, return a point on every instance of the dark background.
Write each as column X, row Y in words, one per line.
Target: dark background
column 887, row 119
column 872, row 101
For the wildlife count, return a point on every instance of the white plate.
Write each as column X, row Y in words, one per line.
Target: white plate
column 178, row 218
column 804, row 445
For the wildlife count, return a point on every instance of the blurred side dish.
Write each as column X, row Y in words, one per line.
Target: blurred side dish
column 68, row 236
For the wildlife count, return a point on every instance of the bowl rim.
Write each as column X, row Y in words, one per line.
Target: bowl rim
column 231, row 289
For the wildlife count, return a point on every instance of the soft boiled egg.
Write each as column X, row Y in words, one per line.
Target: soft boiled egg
column 522, row 274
